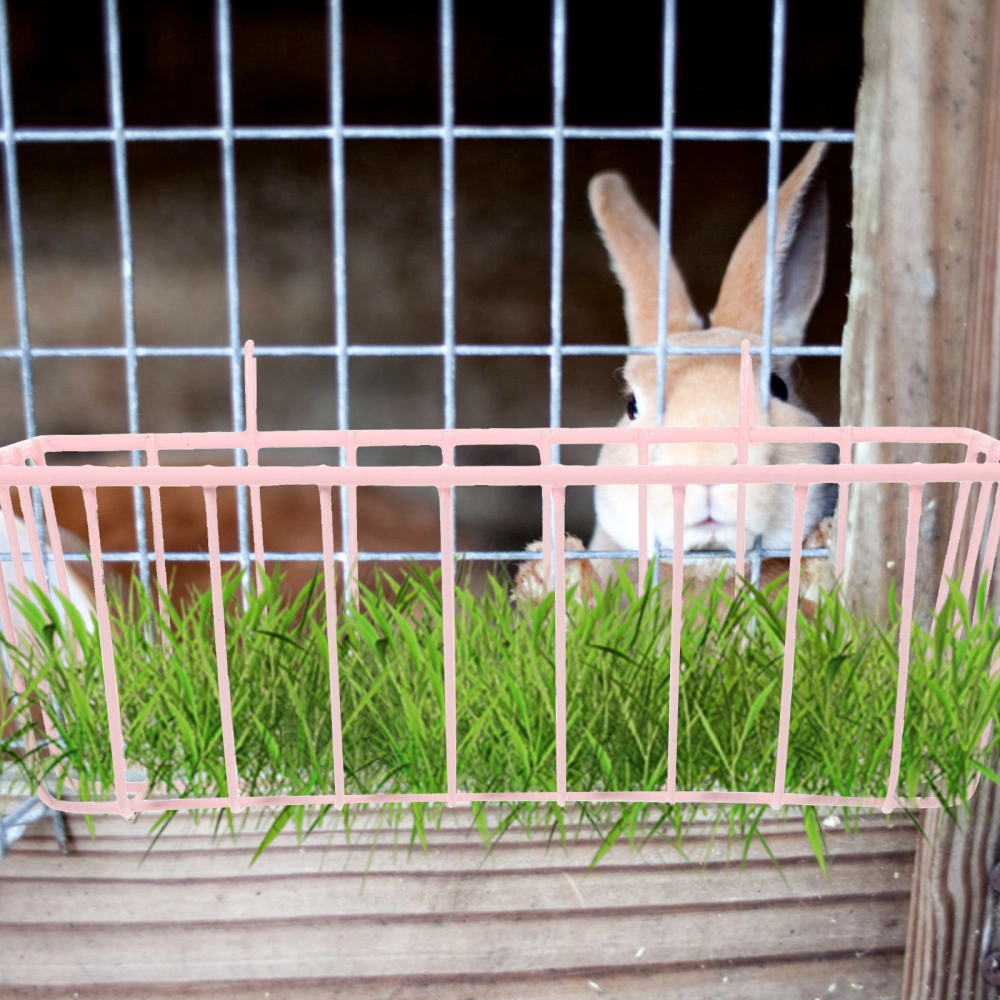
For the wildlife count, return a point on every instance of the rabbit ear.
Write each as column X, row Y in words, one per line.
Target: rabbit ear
column 800, row 259
column 634, row 247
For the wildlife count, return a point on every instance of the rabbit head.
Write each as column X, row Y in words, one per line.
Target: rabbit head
column 703, row 391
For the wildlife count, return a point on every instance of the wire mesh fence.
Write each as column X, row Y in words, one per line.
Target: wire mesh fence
column 119, row 136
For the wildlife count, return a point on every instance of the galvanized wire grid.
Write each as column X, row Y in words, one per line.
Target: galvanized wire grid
column 336, row 132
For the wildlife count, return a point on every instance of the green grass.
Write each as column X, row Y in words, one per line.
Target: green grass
column 618, row 663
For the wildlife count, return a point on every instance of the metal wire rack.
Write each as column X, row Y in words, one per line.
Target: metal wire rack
column 980, row 465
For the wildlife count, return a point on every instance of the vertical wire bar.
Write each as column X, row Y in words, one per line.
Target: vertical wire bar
column 116, row 102
column 951, row 555
column 17, row 557
column 676, row 620
column 258, row 535
column 740, row 562
column 6, row 616
column 35, row 549
column 447, row 45
column 13, row 540
column 991, row 549
column 224, row 81
column 253, row 453
column 972, row 556
column 666, row 213
column 905, row 627
column 448, row 628
column 987, row 573
column 548, row 558
column 351, row 544
column 559, row 531
column 13, row 193
column 748, row 421
column 788, row 669
column 221, row 656
column 11, row 675
column 336, row 56
column 31, row 529
column 983, row 553
column 115, row 732
column 843, row 498
column 330, row 588
column 55, row 541
column 666, row 200
column 15, row 232
column 957, row 524
column 642, row 446
column 773, row 174
column 153, row 460
column 558, row 211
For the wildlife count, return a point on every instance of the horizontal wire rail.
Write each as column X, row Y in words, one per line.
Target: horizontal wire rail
column 399, row 350
column 212, row 133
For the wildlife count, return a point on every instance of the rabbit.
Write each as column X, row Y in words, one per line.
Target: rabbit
column 703, row 391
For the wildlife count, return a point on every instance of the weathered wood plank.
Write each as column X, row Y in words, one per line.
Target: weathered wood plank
column 917, row 157
column 529, row 921
column 951, row 902
column 482, row 943
column 922, row 347
column 872, row 976
column 127, row 900
column 336, row 858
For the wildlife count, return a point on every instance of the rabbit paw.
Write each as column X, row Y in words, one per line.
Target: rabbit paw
column 530, row 583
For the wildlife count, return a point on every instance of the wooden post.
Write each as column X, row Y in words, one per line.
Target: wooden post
column 922, row 346
column 951, row 902
column 917, row 158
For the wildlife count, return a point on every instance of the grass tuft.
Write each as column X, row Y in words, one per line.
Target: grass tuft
column 391, row 670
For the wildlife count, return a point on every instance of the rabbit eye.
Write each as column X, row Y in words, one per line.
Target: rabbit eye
column 778, row 388
column 633, row 409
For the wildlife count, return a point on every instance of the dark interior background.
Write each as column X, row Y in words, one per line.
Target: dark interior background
column 502, row 76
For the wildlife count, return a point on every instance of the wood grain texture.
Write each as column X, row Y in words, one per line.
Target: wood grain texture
column 951, row 903
column 869, row 975
column 529, row 921
column 918, row 157
column 951, row 899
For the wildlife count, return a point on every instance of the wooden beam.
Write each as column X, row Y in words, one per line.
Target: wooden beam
column 922, row 346
column 950, row 902
column 918, row 158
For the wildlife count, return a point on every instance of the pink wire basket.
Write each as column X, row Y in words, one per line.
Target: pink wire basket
column 24, row 466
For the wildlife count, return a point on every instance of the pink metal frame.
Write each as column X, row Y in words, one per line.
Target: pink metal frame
column 131, row 798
